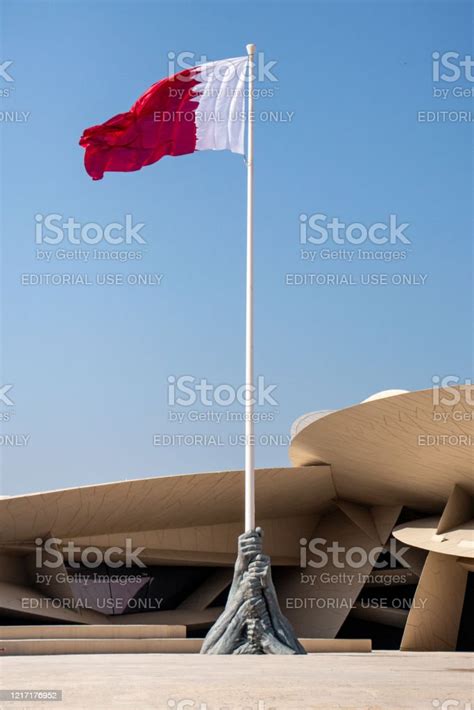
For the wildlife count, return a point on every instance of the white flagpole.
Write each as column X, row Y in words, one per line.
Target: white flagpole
column 249, row 375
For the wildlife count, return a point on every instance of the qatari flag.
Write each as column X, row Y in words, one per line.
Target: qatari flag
column 202, row 108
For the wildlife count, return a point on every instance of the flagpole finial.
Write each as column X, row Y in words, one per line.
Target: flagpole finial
column 251, row 49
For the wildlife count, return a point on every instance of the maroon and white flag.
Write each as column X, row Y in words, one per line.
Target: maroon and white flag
column 202, row 108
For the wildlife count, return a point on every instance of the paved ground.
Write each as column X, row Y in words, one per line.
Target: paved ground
column 379, row 681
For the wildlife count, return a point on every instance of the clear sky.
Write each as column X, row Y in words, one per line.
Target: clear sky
column 349, row 137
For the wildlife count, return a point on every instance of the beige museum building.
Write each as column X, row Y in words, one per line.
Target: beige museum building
column 370, row 531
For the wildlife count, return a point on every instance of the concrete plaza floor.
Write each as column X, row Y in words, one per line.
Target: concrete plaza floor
column 376, row 681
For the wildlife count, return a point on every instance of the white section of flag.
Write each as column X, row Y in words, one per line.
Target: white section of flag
column 220, row 116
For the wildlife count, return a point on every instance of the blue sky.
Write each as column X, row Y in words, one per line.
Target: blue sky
column 90, row 365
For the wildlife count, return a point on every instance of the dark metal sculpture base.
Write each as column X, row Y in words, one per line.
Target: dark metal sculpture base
column 252, row 621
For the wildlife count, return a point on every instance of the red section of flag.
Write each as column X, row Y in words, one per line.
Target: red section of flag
column 159, row 123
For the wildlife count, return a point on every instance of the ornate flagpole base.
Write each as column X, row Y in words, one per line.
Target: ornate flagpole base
column 252, row 621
